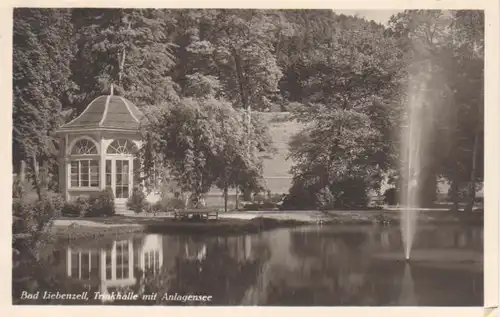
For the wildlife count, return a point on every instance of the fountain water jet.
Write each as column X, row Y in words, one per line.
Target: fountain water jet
column 413, row 153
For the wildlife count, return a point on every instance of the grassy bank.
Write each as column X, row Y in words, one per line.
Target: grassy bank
column 221, row 226
column 243, row 223
column 94, row 228
column 394, row 217
column 79, row 232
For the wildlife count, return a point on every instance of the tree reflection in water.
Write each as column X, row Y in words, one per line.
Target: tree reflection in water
column 329, row 265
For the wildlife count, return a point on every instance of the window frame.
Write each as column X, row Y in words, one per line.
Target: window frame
column 79, row 173
column 75, row 143
column 130, row 146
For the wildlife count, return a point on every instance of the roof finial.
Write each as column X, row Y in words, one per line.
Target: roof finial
column 111, row 90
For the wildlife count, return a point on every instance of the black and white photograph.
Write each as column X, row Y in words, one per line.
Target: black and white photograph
column 248, row 157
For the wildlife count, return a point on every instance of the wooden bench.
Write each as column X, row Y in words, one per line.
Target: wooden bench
column 205, row 214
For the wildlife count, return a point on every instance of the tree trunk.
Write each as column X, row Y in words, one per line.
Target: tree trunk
column 473, row 173
column 237, row 205
column 36, row 176
column 225, row 198
column 454, row 191
column 22, row 171
column 121, row 64
column 239, row 73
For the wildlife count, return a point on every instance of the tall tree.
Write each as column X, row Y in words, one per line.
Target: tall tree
column 200, row 143
column 348, row 140
column 130, row 48
column 468, row 29
column 236, row 47
column 42, row 51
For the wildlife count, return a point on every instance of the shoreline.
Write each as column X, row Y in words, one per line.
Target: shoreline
column 235, row 223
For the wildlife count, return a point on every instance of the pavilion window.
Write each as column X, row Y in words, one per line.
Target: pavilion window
column 85, row 173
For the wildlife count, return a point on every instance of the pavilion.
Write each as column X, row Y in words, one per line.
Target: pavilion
column 98, row 150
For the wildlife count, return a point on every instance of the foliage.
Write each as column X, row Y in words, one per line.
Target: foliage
column 20, row 188
column 77, row 208
column 42, row 50
column 300, row 197
column 137, row 201
column 166, row 204
column 102, row 203
column 130, row 48
column 348, row 80
column 95, row 205
column 31, row 221
column 391, row 196
column 445, row 52
column 201, row 143
column 233, row 49
column 325, row 199
column 348, row 133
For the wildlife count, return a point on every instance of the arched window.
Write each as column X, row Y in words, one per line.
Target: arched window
column 122, row 147
column 84, row 147
column 84, row 172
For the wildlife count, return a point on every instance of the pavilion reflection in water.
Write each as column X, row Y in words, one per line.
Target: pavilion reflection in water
column 115, row 265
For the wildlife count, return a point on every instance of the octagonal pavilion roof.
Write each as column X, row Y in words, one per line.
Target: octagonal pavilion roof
column 107, row 112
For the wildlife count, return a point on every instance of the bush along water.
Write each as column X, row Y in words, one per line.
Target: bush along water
column 167, row 204
column 137, row 201
column 268, row 202
column 102, row 203
column 33, row 269
column 96, row 205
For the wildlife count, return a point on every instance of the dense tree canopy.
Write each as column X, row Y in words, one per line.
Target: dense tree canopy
column 201, row 143
column 348, row 80
column 42, row 53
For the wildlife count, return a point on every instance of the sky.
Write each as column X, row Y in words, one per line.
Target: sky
column 380, row 16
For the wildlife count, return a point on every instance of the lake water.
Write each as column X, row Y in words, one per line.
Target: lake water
column 305, row 266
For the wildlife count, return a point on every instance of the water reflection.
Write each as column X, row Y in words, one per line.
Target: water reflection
column 304, row 266
column 115, row 265
column 407, row 297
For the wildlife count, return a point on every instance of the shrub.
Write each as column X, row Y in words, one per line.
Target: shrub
column 276, row 198
column 19, row 189
column 137, row 202
column 77, row 208
column 251, row 206
column 102, row 204
column 300, row 197
column 52, row 205
column 325, row 199
column 32, row 219
column 391, row 196
column 168, row 203
column 259, row 198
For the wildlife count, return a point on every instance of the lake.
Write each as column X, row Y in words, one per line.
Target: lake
column 331, row 265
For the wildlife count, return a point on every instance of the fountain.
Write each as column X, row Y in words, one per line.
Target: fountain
column 412, row 156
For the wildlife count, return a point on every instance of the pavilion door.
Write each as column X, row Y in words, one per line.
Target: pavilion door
column 121, row 178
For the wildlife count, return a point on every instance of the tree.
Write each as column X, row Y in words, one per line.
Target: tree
column 444, row 50
column 201, row 143
column 234, row 46
column 469, row 27
column 348, row 143
column 238, row 165
column 129, row 48
column 42, row 53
